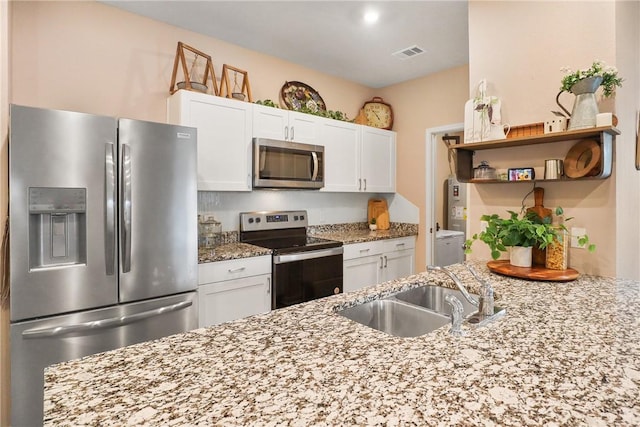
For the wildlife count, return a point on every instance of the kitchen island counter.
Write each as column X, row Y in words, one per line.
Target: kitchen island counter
column 565, row 353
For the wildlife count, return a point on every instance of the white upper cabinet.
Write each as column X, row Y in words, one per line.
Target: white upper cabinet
column 378, row 164
column 358, row 158
column 224, row 138
column 285, row 125
column 341, row 142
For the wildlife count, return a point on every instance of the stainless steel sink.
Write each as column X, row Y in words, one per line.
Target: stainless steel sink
column 396, row 317
column 416, row 312
column 432, row 297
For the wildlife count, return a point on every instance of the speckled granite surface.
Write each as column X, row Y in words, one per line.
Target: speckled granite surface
column 228, row 251
column 359, row 232
column 345, row 233
column 565, row 354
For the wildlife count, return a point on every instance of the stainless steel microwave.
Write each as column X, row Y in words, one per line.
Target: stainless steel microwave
column 283, row 164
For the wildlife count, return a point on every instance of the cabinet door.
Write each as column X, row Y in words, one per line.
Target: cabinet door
column 398, row 264
column 304, row 128
column 341, row 142
column 378, row 160
column 361, row 272
column 234, row 299
column 224, row 138
column 270, row 122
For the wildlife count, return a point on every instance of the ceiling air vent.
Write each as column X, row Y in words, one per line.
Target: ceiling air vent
column 408, row 52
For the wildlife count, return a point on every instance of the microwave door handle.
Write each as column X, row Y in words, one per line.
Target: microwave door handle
column 125, row 198
column 314, row 173
column 109, row 208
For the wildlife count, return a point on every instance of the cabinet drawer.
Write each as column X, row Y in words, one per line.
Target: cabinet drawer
column 357, row 250
column 399, row 244
column 233, row 269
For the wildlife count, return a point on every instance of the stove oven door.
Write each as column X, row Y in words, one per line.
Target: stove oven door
column 305, row 276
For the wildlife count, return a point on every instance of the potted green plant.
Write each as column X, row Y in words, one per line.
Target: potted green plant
column 515, row 234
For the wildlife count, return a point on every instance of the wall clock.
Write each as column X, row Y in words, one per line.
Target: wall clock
column 378, row 113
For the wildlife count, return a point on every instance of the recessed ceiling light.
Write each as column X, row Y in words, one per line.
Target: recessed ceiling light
column 371, row 16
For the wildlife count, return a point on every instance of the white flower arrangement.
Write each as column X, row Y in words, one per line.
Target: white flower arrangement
column 609, row 74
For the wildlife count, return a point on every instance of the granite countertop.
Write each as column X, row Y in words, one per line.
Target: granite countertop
column 345, row 233
column 228, row 251
column 359, row 232
column 564, row 354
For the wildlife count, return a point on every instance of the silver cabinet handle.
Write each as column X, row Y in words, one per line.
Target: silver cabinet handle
column 109, row 208
column 365, row 184
column 399, row 245
column 359, row 184
column 236, row 270
column 385, row 261
column 286, row 133
column 292, row 133
column 104, row 323
column 381, row 263
column 268, row 285
column 249, row 181
column 365, row 250
column 125, row 197
column 314, row 173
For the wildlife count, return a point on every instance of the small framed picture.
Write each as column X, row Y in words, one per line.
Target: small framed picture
column 521, row 174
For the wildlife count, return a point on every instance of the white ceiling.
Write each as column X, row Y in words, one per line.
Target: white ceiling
column 330, row 36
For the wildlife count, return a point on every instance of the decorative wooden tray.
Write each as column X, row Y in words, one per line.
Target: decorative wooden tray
column 532, row 273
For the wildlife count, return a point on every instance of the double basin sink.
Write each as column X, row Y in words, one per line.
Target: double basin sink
column 414, row 312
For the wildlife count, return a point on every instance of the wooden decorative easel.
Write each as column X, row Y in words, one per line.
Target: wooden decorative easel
column 208, row 71
column 245, row 89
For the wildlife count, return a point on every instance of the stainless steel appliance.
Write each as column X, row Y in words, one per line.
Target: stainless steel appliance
column 103, row 240
column 456, row 199
column 284, row 164
column 303, row 267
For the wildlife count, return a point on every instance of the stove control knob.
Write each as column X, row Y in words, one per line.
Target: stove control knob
column 250, row 220
column 257, row 220
column 295, row 217
column 301, row 217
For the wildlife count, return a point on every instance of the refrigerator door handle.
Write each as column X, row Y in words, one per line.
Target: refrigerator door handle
column 95, row 325
column 125, row 198
column 110, row 208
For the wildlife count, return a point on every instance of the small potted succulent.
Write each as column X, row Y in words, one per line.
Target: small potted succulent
column 372, row 224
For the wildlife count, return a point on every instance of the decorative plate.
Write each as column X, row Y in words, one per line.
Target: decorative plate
column 297, row 96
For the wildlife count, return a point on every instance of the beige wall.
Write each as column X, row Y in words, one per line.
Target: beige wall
column 519, row 47
column 431, row 101
column 4, row 155
column 89, row 57
column 627, row 108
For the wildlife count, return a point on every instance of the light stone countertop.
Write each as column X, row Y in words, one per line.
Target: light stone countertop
column 564, row 354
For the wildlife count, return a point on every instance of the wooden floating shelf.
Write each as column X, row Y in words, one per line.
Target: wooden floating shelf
column 605, row 136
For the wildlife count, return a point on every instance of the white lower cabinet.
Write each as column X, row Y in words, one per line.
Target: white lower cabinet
column 375, row 262
column 234, row 289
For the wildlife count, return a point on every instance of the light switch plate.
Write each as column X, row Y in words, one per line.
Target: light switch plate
column 577, row 232
column 483, row 225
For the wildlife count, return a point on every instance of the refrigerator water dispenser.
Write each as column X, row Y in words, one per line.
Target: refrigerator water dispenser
column 57, row 227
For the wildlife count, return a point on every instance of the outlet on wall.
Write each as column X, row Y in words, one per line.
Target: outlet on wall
column 483, row 225
column 577, row 232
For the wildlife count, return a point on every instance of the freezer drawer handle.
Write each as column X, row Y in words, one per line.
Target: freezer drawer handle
column 104, row 323
column 110, row 208
column 126, row 208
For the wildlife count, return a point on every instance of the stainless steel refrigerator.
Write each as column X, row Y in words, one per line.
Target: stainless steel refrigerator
column 103, row 238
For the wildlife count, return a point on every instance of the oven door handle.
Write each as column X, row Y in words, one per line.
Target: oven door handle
column 301, row 256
